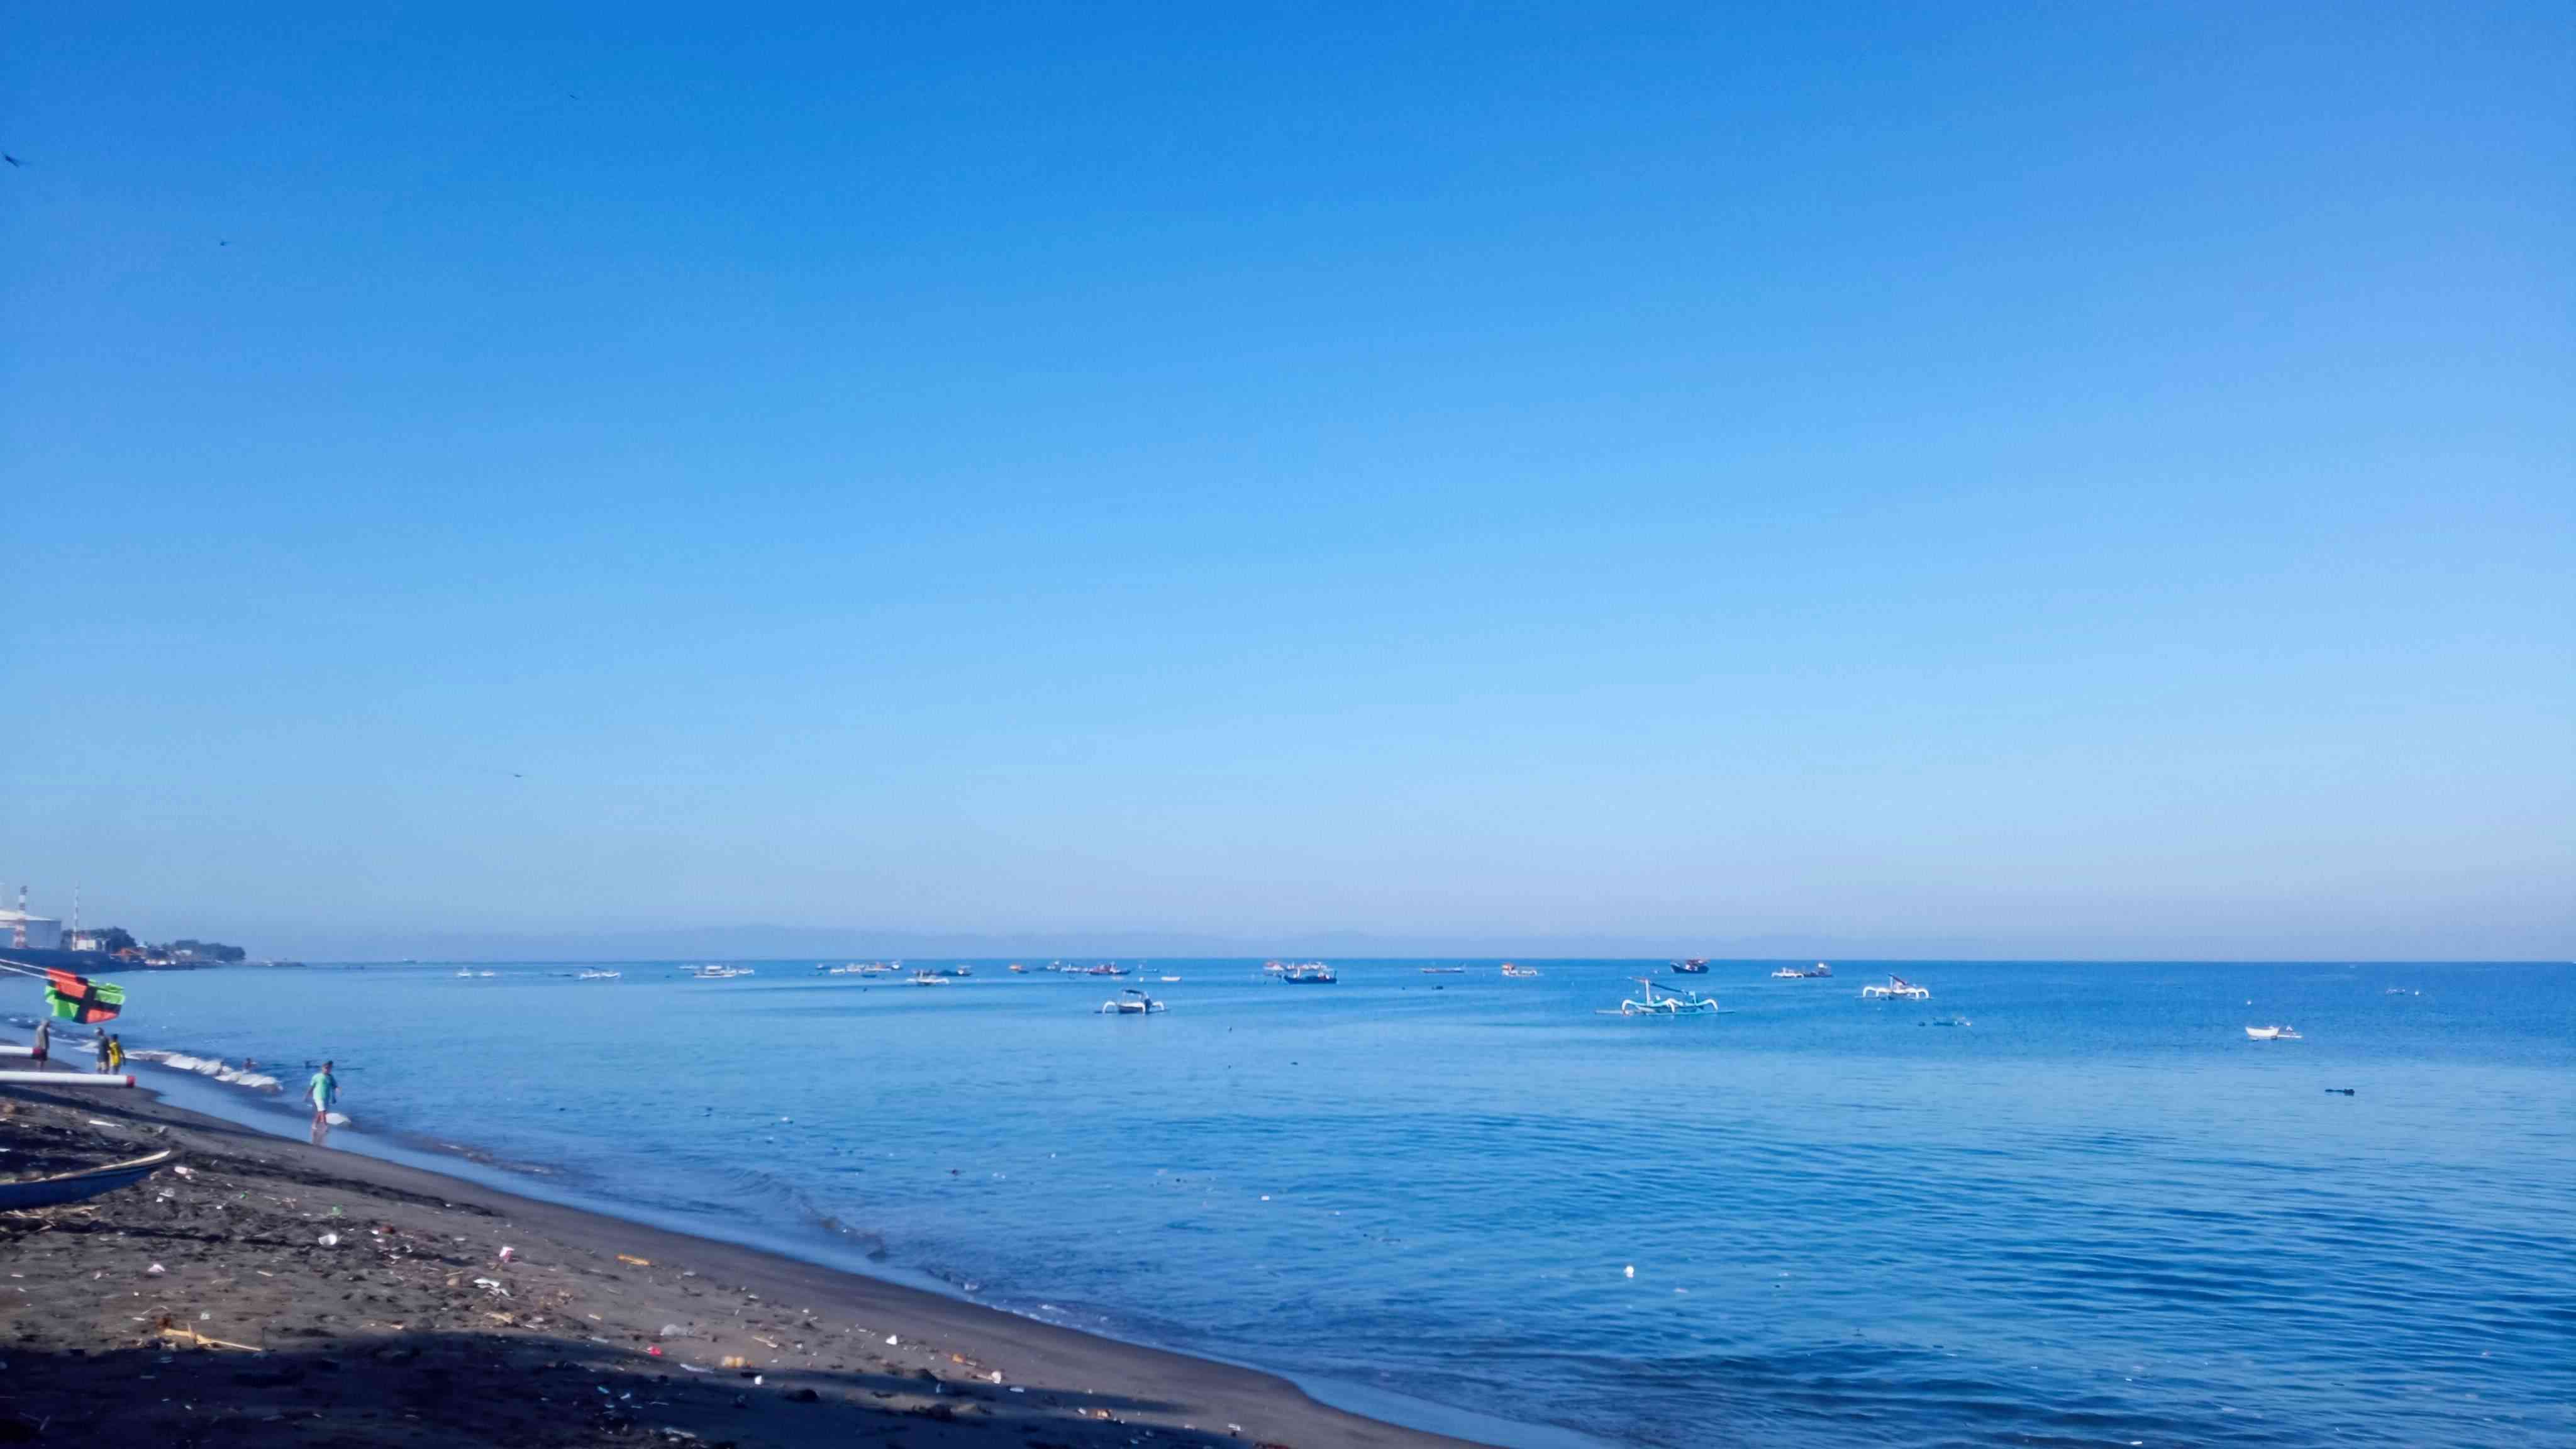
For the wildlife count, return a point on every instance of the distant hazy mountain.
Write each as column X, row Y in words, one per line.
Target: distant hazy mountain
column 761, row 942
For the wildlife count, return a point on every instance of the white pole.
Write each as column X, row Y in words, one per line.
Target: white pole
column 63, row 1079
column 17, row 1051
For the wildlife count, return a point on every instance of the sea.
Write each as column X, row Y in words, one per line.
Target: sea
column 2061, row 1203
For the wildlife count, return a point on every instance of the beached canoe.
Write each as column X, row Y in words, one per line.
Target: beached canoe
column 80, row 1186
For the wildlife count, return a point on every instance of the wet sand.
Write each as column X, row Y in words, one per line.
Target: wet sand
column 410, row 1329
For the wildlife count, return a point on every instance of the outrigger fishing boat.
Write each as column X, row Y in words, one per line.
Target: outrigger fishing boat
column 1695, row 966
column 1519, row 973
column 1896, row 989
column 67, row 1187
column 1802, row 973
column 1668, row 1003
column 926, row 978
column 1313, row 973
column 602, row 975
column 720, row 973
column 2273, row 1033
column 1134, row 1003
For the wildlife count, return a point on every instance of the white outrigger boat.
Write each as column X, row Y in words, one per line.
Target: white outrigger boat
column 720, row 973
column 1896, row 989
column 2273, row 1033
column 1663, row 1001
column 1134, row 1003
column 1802, row 973
column 1519, row 973
column 602, row 975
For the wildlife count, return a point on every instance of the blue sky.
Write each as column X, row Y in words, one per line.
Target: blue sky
column 2068, row 479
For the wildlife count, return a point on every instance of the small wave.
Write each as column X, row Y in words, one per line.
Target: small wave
column 209, row 1067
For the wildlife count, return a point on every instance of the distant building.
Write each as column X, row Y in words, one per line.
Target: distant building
column 43, row 933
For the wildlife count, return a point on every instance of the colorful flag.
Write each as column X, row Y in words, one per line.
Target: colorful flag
column 77, row 998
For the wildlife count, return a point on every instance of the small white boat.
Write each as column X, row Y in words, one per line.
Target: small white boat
column 1519, row 973
column 1896, row 989
column 719, row 973
column 1663, row 1001
column 2273, row 1033
column 1133, row 1003
column 601, row 975
column 1802, row 973
column 926, row 978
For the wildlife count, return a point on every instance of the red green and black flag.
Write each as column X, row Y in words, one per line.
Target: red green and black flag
column 77, row 998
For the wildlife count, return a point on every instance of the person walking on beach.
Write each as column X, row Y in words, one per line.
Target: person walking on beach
column 322, row 1091
column 102, row 1052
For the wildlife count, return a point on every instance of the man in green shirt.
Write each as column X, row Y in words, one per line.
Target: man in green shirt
column 322, row 1091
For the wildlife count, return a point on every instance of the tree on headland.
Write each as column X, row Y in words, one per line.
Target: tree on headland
column 204, row 950
column 114, row 938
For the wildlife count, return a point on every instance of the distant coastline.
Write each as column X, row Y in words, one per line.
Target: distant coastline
column 101, row 963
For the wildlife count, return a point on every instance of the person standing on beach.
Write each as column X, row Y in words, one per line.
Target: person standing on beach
column 44, row 1042
column 102, row 1052
column 116, row 1054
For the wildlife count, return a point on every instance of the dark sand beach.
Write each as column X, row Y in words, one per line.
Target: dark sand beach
column 204, row 1308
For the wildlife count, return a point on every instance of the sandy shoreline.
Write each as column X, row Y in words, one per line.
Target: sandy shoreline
column 410, row 1330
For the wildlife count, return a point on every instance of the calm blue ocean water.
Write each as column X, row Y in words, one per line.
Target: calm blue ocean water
column 2097, row 1215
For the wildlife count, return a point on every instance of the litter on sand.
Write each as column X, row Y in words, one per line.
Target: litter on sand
column 637, row 1262
column 329, row 1240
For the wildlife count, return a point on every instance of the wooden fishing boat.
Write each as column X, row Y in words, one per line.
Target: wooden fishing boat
column 81, row 1186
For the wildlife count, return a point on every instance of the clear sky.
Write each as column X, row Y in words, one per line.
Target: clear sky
column 2065, row 478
